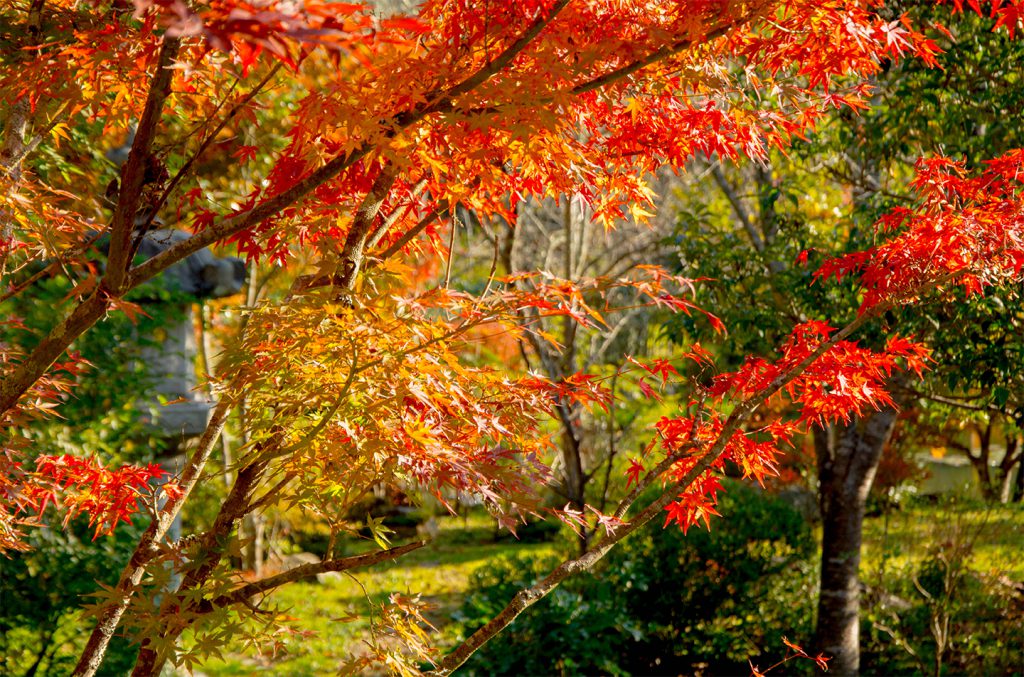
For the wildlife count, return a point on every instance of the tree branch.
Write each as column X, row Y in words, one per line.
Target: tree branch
column 38, row 136
column 742, row 412
column 119, row 280
column 411, row 234
column 386, row 224
column 133, row 175
column 14, row 148
column 244, row 593
column 185, row 168
column 660, row 55
column 355, row 241
column 507, row 55
column 958, row 403
column 234, row 224
column 738, row 208
column 52, row 267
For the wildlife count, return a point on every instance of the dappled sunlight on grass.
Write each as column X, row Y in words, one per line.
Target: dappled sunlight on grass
column 338, row 611
column 905, row 537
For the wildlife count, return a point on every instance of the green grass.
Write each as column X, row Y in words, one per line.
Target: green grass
column 338, row 612
column 905, row 537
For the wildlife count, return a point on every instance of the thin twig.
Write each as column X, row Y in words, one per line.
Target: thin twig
column 411, row 234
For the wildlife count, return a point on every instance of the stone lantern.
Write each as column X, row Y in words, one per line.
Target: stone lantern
column 170, row 365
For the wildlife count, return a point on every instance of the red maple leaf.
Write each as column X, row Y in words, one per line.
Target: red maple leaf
column 633, row 472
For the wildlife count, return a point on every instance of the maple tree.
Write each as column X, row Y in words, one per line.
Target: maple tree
column 974, row 338
column 355, row 377
column 775, row 222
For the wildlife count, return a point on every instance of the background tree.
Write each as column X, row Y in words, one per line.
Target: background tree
column 562, row 236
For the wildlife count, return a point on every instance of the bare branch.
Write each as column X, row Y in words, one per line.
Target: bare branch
column 246, row 592
column 957, row 402
column 738, row 208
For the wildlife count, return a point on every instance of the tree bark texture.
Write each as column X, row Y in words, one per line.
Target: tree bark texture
column 848, row 457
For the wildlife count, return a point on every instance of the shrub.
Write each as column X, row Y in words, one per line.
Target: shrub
column 713, row 600
column 942, row 617
column 662, row 602
column 576, row 629
column 42, row 590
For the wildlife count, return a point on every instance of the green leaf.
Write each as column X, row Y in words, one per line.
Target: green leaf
column 379, row 531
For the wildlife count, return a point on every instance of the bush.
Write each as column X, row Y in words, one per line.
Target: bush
column 42, row 590
column 662, row 602
column 713, row 600
column 577, row 629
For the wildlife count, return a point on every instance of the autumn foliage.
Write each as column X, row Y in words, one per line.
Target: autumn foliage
column 356, row 375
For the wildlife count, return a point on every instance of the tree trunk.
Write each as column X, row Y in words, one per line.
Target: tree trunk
column 981, row 461
column 1018, row 489
column 572, row 460
column 1011, row 461
column 848, row 456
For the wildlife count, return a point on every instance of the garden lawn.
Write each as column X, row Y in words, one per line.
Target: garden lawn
column 337, row 612
column 905, row 536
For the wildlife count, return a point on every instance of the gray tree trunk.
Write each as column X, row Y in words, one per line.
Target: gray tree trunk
column 848, row 456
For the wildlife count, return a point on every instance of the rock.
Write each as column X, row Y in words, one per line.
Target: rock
column 429, row 530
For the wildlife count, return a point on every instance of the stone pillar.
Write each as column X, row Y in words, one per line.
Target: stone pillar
column 171, row 363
